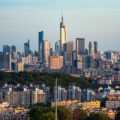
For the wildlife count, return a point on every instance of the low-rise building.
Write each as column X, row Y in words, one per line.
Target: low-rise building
column 113, row 104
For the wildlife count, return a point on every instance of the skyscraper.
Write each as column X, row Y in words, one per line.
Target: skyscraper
column 95, row 46
column 62, row 35
column 5, row 61
column 27, row 48
column 57, row 48
column 46, row 50
column 40, row 46
column 68, row 49
column 6, row 49
column 91, row 49
column 68, row 46
column 80, row 46
column 14, row 52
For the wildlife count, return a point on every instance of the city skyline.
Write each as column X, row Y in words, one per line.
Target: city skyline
column 22, row 20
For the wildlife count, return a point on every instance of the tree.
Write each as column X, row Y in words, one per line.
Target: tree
column 79, row 114
column 47, row 113
column 64, row 113
column 117, row 116
column 47, row 78
column 98, row 116
column 103, row 102
column 41, row 113
column 47, row 116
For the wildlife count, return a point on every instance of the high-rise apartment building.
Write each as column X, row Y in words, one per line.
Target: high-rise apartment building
column 63, row 38
column 40, row 46
column 74, row 93
column 88, row 95
column 46, row 50
column 61, row 93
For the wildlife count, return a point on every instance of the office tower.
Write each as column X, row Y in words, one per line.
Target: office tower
column 36, row 53
column 6, row 49
column 27, row 48
column 86, row 52
column 13, row 48
column 40, row 46
column 62, row 35
column 95, row 47
column 68, row 46
column 83, row 62
column 79, row 62
column 56, row 62
column 74, row 59
column 108, row 55
column 14, row 52
column 80, row 46
column 51, row 52
column 46, row 51
column 91, row 49
column 68, row 49
column 57, row 48
column 5, row 61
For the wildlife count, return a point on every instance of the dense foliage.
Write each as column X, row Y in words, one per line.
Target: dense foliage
column 117, row 116
column 79, row 114
column 47, row 113
column 98, row 116
column 47, row 78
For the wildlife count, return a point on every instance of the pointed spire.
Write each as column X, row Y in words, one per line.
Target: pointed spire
column 62, row 19
column 62, row 22
column 62, row 15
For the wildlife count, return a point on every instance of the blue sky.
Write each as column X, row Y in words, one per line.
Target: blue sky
column 97, row 20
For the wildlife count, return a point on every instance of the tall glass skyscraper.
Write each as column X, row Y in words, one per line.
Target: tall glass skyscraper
column 40, row 46
column 95, row 46
column 27, row 48
column 6, row 49
column 80, row 46
column 62, row 35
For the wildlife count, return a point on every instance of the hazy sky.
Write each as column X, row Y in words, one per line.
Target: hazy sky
column 97, row 20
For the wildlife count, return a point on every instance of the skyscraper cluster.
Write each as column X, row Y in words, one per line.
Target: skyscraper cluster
column 65, row 55
column 68, row 56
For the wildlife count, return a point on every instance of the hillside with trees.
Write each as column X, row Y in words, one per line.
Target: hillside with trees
column 46, row 78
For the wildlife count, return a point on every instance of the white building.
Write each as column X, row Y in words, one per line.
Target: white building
column 74, row 93
column 63, row 38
